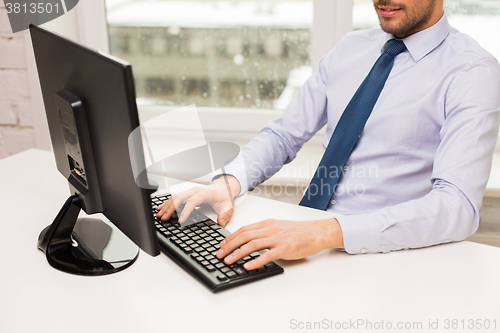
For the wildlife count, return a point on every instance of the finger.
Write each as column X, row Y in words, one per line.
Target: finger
column 162, row 204
column 191, row 204
column 163, row 208
column 224, row 217
column 165, row 204
column 249, row 227
column 263, row 259
column 252, row 246
column 168, row 207
column 246, row 242
column 168, row 210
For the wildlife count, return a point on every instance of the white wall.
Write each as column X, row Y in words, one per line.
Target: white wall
column 22, row 115
column 16, row 119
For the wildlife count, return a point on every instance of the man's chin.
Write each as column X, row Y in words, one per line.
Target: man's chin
column 394, row 30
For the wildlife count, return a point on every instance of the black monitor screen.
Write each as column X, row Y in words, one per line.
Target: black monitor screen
column 87, row 91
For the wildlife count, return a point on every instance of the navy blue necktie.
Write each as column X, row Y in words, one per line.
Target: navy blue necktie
column 348, row 129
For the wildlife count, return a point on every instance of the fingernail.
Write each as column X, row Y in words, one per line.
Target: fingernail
column 248, row 266
column 223, row 221
column 228, row 259
column 222, row 243
column 220, row 253
column 160, row 212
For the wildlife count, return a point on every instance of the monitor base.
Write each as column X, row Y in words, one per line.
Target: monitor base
column 85, row 246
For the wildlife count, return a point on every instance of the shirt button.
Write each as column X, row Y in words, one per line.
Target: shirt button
column 333, row 202
column 363, row 251
column 346, row 168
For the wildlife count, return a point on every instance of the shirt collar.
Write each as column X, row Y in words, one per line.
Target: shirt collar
column 425, row 41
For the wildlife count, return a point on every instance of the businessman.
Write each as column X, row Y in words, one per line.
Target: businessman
column 416, row 102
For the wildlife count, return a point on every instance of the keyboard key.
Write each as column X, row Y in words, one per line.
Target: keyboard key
column 240, row 271
column 270, row 265
column 200, row 259
column 231, row 275
column 214, row 261
column 222, row 277
column 220, row 265
column 210, row 268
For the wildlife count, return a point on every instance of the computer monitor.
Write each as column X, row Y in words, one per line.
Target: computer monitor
column 91, row 110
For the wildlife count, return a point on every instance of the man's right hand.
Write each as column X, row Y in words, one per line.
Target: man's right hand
column 219, row 195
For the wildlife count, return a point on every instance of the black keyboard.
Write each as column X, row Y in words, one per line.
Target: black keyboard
column 194, row 246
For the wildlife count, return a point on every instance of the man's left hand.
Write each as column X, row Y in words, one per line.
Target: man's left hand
column 285, row 240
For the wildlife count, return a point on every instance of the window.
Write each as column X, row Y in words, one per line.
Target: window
column 217, row 53
column 478, row 18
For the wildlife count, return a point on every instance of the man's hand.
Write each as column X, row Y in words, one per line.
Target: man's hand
column 285, row 240
column 219, row 195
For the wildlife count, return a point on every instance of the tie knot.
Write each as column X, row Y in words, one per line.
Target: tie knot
column 395, row 47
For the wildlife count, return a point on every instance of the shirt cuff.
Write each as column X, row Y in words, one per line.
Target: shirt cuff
column 361, row 233
column 237, row 171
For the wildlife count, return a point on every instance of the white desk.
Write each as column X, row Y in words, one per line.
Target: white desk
column 454, row 281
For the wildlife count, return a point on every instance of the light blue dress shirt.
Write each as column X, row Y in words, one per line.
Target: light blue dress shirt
column 419, row 170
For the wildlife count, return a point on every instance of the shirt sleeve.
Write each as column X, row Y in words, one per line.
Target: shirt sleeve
column 462, row 164
column 281, row 139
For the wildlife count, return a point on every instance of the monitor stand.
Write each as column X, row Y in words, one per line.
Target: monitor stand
column 85, row 246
